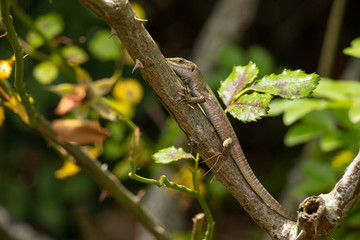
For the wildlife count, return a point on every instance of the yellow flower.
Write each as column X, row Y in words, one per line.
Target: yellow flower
column 124, row 108
column 68, row 169
column 6, row 68
column 2, row 116
column 341, row 159
column 184, row 177
column 140, row 12
column 129, row 90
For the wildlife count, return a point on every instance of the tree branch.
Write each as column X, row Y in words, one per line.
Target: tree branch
column 106, row 180
column 166, row 85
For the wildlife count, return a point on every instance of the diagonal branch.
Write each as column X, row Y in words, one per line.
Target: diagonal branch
column 318, row 215
column 166, row 85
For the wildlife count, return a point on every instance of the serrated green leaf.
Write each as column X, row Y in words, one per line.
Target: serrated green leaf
column 45, row 72
column 354, row 49
column 74, row 54
column 236, row 81
column 105, row 48
column 289, row 84
column 250, row 107
column 171, row 154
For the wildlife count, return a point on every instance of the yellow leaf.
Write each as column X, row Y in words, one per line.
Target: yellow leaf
column 6, row 68
column 184, row 177
column 129, row 90
column 68, row 169
column 341, row 159
column 123, row 107
column 14, row 104
column 2, row 116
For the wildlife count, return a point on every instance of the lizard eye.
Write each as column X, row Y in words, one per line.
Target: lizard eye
column 192, row 69
column 181, row 61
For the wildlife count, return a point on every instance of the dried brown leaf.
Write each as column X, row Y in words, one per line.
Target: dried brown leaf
column 80, row 132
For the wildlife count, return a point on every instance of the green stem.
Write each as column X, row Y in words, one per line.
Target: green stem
column 195, row 193
column 210, row 220
column 106, row 180
column 19, row 61
column 328, row 51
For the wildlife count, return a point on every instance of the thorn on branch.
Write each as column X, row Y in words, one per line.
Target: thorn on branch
column 104, row 194
column 138, row 64
column 140, row 21
column 4, row 35
column 113, row 33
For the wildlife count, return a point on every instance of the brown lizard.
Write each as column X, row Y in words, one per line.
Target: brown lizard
column 201, row 92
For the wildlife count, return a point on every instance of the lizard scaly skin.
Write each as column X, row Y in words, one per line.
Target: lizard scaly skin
column 192, row 76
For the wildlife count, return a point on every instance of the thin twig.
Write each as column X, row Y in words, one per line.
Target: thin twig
column 328, row 50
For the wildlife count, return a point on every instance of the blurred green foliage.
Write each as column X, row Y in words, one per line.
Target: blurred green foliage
column 330, row 123
column 61, row 39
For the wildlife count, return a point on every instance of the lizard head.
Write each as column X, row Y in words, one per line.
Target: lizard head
column 184, row 68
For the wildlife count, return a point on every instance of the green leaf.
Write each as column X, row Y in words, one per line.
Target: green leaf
column 105, row 48
column 300, row 133
column 34, row 39
column 319, row 172
column 354, row 111
column 289, row 84
column 62, row 89
column 319, row 178
column 102, row 107
column 337, row 90
column 279, row 106
column 45, row 72
column 74, row 54
column 338, row 104
column 104, row 86
column 300, row 108
column 171, row 154
column 354, row 49
column 236, row 81
column 250, row 107
column 331, row 141
column 50, row 25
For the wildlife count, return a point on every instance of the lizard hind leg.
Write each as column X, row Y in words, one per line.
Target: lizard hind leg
column 218, row 155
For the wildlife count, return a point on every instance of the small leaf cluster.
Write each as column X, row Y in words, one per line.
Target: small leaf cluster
column 247, row 99
column 333, row 116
